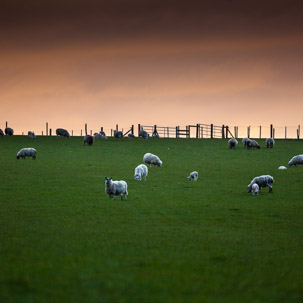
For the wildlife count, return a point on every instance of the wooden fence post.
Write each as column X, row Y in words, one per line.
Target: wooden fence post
column 177, row 134
column 72, row 132
column 117, row 127
column 201, row 132
column 50, row 131
column 85, row 128
column 42, row 133
column 132, row 131
column 167, row 132
column 271, row 130
column 197, row 131
column 47, row 128
column 139, row 128
column 298, row 132
column 5, row 124
column 248, row 132
column 227, row 129
column 81, row 132
column 211, row 131
column 285, row 132
column 223, row 136
column 260, row 131
column 91, row 132
column 273, row 133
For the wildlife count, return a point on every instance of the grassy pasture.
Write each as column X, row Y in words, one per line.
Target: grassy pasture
column 63, row 240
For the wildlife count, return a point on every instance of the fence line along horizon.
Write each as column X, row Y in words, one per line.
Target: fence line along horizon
column 199, row 131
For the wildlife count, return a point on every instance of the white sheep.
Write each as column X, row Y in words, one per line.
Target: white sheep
column 31, row 134
column 295, row 160
column 252, row 144
column 116, row 188
column 262, row 181
column 152, row 159
column 232, row 143
column 255, row 189
column 27, row 152
column 140, row 172
column 100, row 136
column 193, row 176
column 270, row 142
column 282, row 167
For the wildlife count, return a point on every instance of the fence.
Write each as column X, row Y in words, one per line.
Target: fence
column 200, row 130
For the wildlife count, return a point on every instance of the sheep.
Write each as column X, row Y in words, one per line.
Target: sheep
column 151, row 159
column 31, row 134
column 27, row 152
column 282, row 167
column 262, row 181
column 9, row 131
column 116, row 188
column 295, row 160
column 140, row 172
column 99, row 136
column 270, row 142
column 1, row 132
column 131, row 136
column 143, row 134
column 232, row 143
column 62, row 132
column 244, row 141
column 118, row 134
column 252, row 144
column 88, row 139
column 193, row 176
column 255, row 189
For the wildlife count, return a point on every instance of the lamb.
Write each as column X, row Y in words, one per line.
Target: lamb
column 62, row 132
column 27, row 152
column 295, row 160
column 31, row 134
column 151, row 159
column 140, row 172
column 143, row 134
column 116, row 188
column 1, row 132
column 244, row 141
column 252, row 144
column 270, row 142
column 262, row 181
column 88, row 139
column 118, row 134
column 193, row 176
column 255, row 189
column 232, row 143
column 9, row 131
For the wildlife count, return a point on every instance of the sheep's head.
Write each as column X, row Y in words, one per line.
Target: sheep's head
column 18, row 157
column 108, row 181
column 160, row 163
column 138, row 177
column 249, row 188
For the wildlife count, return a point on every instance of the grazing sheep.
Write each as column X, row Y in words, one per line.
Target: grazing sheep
column 27, row 152
column 296, row 160
column 62, row 132
column 131, row 136
column 282, row 167
column 1, row 132
column 140, row 172
column 252, row 144
column 99, row 136
column 262, row 181
column 270, row 142
column 118, row 134
column 155, row 135
column 151, row 159
column 88, row 139
column 255, row 189
column 232, row 143
column 143, row 134
column 244, row 141
column 193, row 176
column 31, row 134
column 116, row 188
column 9, row 131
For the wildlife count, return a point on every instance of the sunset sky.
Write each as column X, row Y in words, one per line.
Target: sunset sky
column 151, row 62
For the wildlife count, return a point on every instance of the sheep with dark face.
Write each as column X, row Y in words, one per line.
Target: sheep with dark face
column 270, row 142
column 31, row 134
column 99, row 136
column 252, row 144
column 60, row 132
column 193, row 176
column 116, row 188
column 9, row 131
column 1, row 132
column 296, row 160
column 143, row 134
column 151, row 159
column 131, row 136
column 140, row 172
column 232, row 143
column 262, row 181
column 244, row 141
column 118, row 134
column 88, row 139
column 27, row 152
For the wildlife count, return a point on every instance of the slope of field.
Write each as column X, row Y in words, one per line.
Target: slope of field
column 63, row 240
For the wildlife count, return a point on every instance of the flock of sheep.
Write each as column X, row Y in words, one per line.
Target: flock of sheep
column 119, row 188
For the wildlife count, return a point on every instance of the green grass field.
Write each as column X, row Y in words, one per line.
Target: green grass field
column 64, row 240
